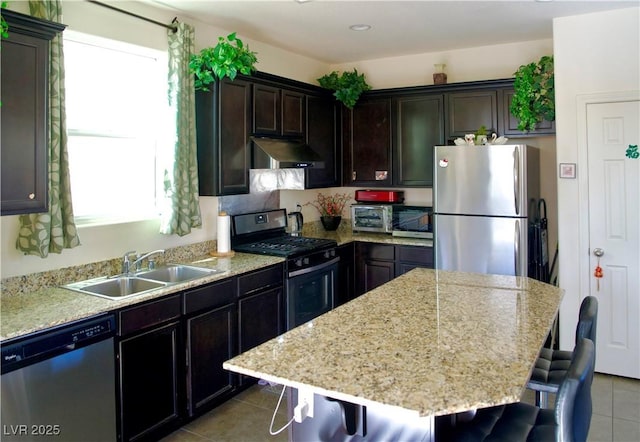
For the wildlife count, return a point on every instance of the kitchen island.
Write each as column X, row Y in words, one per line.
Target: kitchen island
column 428, row 343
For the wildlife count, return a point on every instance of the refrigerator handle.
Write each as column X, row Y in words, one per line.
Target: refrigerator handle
column 516, row 179
column 516, row 249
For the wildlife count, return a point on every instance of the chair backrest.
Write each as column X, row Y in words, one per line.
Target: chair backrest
column 573, row 401
column 588, row 319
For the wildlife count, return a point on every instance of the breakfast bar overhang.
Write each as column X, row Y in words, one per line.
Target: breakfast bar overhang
column 426, row 344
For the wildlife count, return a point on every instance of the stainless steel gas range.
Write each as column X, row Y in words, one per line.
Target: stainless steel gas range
column 311, row 263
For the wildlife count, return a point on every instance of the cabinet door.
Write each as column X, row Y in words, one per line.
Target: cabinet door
column 210, row 342
column 293, row 113
column 149, row 387
column 510, row 123
column 369, row 143
column 266, row 109
column 321, row 137
column 345, row 291
column 468, row 111
column 25, row 77
column 419, row 127
column 223, row 118
column 410, row 257
column 260, row 317
column 375, row 265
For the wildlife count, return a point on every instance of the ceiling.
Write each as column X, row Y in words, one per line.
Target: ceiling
column 320, row 28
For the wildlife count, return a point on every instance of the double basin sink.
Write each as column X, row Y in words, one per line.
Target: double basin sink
column 145, row 281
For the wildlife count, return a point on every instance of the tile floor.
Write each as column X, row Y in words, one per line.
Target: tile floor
column 246, row 418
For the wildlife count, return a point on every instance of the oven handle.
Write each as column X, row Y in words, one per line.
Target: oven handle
column 314, row 268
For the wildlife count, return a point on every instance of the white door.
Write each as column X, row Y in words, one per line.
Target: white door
column 613, row 145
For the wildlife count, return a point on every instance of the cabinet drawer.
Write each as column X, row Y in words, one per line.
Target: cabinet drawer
column 209, row 296
column 259, row 280
column 384, row 252
column 152, row 313
column 418, row 255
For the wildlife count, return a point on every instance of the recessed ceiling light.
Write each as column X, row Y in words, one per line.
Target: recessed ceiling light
column 360, row 27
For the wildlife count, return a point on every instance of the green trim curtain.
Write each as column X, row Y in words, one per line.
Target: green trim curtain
column 181, row 183
column 55, row 230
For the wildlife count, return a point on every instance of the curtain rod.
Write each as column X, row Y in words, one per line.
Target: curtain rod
column 104, row 5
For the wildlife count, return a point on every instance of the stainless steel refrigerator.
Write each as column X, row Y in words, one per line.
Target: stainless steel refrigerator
column 483, row 203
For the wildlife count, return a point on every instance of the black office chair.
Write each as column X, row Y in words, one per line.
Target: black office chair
column 551, row 365
column 569, row 421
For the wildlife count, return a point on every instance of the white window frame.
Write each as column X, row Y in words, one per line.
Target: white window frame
column 159, row 135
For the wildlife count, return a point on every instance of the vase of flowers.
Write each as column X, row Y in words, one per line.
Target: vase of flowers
column 330, row 208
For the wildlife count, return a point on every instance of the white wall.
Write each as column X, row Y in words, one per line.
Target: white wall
column 106, row 242
column 594, row 53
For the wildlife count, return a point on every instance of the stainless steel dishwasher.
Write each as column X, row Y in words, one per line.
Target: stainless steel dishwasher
column 60, row 384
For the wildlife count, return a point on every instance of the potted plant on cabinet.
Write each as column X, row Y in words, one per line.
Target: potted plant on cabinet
column 534, row 98
column 330, row 208
column 228, row 58
column 348, row 86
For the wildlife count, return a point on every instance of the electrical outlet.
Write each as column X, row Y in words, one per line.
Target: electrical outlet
column 304, row 408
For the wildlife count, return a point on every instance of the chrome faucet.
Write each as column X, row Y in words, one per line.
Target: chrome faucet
column 138, row 262
column 126, row 264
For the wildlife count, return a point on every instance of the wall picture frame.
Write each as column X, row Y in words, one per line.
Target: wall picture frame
column 567, row 170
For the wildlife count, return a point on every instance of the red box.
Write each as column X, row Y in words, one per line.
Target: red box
column 379, row 196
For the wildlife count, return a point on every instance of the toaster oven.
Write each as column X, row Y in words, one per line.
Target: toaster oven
column 371, row 218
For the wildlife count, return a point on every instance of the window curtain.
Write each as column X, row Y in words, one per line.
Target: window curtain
column 41, row 233
column 181, row 183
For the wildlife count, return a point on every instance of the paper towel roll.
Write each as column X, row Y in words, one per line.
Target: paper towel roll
column 224, row 239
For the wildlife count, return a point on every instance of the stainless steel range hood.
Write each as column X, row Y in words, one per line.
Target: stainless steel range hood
column 280, row 153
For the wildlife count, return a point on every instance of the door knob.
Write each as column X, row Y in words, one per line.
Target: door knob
column 598, row 252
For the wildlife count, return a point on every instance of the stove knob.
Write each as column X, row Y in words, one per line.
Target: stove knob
column 305, row 261
column 327, row 255
column 298, row 262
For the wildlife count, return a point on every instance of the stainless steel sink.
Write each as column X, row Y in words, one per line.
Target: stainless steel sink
column 118, row 287
column 175, row 273
column 125, row 286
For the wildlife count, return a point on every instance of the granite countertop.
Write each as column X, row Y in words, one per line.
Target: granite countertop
column 36, row 302
column 50, row 306
column 430, row 342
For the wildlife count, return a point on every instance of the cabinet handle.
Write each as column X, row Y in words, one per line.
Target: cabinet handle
column 353, row 175
column 32, row 196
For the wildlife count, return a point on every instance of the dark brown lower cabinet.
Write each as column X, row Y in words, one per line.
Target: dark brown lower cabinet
column 210, row 343
column 345, row 290
column 260, row 309
column 149, row 382
column 377, row 263
column 211, row 329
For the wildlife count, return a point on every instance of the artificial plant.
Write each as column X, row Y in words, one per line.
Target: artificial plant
column 534, row 98
column 348, row 86
column 4, row 26
column 228, row 58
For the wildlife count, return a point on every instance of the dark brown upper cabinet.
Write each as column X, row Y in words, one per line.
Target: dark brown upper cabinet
column 510, row 123
column 469, row 110
column 278, row 111
column 367, row 141
column 418, row 127
column 321, row 136
column 25, row 86
column 223, row 125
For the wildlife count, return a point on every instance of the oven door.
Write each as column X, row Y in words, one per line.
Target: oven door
column 310, row 292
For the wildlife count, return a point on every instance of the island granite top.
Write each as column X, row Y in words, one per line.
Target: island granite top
column 431, row 342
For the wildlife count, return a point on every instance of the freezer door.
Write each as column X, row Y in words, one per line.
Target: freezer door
column 480, row 180
column 481, row 244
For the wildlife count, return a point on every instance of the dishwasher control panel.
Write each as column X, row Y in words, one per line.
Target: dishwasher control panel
column 54, row 341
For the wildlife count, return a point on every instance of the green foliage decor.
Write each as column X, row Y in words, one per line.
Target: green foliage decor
column 534, row 98
column 348, row 87
column 228, row 58
column 4, row 26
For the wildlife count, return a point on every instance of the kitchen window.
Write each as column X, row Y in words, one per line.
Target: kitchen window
column 120, row 128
